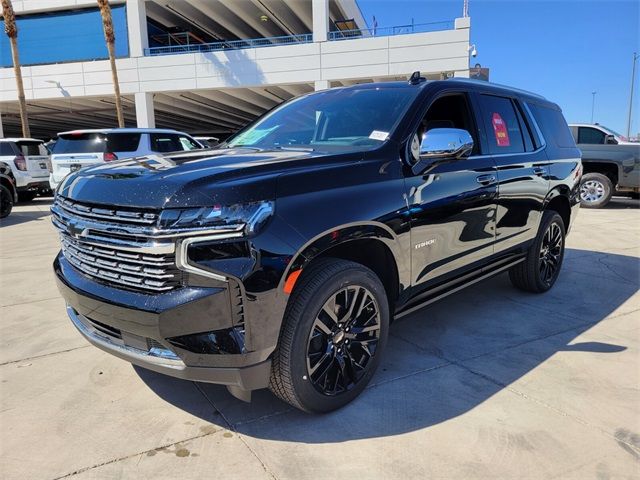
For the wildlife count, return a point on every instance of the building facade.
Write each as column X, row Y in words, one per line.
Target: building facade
column 206, row 66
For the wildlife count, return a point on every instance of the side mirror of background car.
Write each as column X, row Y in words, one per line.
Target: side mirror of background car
column 610, row 140
column 440, row 144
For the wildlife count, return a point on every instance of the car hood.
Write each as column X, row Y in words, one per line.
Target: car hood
column 224, row 176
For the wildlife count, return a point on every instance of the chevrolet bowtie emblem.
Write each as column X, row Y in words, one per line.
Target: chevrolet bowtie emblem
column 75, row 230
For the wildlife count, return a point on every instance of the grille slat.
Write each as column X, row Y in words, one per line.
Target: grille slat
column 118, row 259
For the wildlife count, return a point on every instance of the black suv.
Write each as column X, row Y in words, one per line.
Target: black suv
column 280, row 258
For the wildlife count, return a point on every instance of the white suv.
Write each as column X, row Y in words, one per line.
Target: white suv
column 80, row 148
column 30, row 164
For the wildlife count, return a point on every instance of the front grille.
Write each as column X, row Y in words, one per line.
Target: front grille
column 122, row 267
column 113, row 246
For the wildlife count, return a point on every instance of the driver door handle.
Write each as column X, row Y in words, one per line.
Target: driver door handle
column 539, row 171
column 486, row 180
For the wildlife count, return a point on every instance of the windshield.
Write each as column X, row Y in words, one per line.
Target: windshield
column 612, row 132
column 333, row 118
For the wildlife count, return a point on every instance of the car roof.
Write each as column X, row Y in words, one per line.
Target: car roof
column 465, row 82
column 121, row 130
column 20, row 139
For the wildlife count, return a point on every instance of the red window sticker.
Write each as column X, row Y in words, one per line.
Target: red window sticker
column 500, row 130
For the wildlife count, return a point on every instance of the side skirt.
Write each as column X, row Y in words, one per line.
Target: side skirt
column 457, row 284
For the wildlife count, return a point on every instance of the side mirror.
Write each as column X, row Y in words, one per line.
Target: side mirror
column 610, row 140
column 440, row 144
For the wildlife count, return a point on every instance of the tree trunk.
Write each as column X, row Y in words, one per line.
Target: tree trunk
column 19, row 85
column 116, row 84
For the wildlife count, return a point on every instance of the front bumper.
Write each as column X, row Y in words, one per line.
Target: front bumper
column 138, row 328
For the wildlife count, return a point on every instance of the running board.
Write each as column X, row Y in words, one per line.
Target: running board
column 474, row 280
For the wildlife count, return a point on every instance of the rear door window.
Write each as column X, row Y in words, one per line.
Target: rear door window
column 188, row 144
column 591, row 136
column 123, row 142
column 34, row 149
column 504, row 132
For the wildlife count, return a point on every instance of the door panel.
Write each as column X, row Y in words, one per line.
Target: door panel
column 453, row 210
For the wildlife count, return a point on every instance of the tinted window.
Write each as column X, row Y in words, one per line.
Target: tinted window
column 501, row 122
column 123, row 142
column 553, row 125
column 165, row 142
column 590, row 135
column 6, row 148
column 340, row 118
column 32, row 148
column 80, row 143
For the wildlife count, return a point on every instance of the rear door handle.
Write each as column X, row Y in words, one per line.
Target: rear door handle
column 486, row 179
column 539, row 171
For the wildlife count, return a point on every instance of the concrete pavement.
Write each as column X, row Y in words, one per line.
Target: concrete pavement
column 488, row 383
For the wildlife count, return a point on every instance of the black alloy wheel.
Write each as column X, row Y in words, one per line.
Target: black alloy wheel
column 551, row 253
column 343, row 340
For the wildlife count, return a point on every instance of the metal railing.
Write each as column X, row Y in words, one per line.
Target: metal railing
column 390, row 31
column 230, row 45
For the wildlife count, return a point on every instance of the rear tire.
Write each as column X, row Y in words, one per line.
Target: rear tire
column 543, row 262
column 6, row 202
column 596, row 190
column 333, row 335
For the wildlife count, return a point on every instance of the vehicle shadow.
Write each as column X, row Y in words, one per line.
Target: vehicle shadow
column 428, row 374
column 619, row 203
column 24, row 212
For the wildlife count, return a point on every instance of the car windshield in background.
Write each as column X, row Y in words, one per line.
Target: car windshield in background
column 333, row 118
column 96, row 143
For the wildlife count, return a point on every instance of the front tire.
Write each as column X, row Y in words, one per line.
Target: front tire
column 596, row 190
column 543, row 262
column 334, row 332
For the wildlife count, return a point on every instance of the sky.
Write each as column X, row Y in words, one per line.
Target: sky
column 562, row 49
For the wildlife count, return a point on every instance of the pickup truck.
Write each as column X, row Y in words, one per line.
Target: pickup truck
column 611, row 164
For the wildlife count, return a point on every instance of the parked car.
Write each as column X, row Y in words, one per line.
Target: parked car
column 8, row 192
column 29, row 161
column 280, row 259
column 611, row 165
column 208, row 142
column 80, row 148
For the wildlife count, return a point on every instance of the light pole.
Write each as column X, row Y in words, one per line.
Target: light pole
column 593, row 104
column 633, row 80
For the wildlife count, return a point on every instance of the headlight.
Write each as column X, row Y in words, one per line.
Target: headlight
column 247, row 216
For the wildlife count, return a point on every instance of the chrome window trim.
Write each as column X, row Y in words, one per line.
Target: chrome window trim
column 182, row 257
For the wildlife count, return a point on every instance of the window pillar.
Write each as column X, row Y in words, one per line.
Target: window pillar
column 137, row 27
column 145, row 115
column 320, row 15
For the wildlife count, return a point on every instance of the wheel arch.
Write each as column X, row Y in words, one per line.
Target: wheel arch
column 607, row 168
column 558, row 200
column 373, row 245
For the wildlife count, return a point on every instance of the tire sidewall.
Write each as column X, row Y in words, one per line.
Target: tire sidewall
column 608, row 190
column 308, row 395
column 5, row 193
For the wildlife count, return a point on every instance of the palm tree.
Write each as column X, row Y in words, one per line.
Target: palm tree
column 110, row 38
column 11, row 30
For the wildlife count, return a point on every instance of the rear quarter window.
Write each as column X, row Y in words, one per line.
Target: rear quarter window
column 6, row 149
column 123, row 142
column 553, row 125
column 32, row 148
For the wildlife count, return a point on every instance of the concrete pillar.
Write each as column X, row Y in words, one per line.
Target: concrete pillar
column 320, row 15
column 137, row 27
column 322, row 85
column 145, row 116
